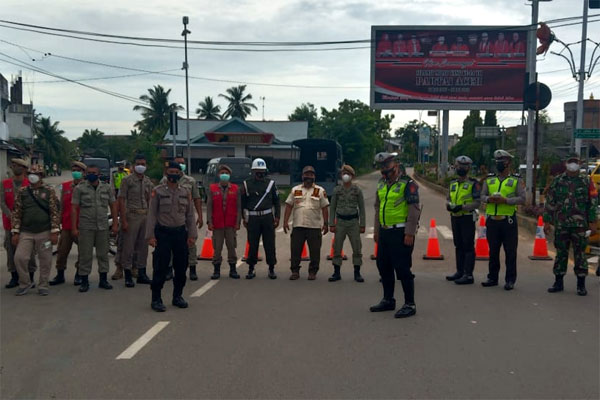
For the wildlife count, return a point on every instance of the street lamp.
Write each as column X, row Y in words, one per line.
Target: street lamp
column 262, row 98
column 187, row 97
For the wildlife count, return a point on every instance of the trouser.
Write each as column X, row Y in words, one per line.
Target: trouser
column 28, row 243
column 88, row 240
column 563, row 238
column 65, row 243
column 394, row 258
column 10, row 254
column 351, row 229
column 261, row 225
column 134, row 241
column 463, row 232
column 504, row 232
column 229, row 237
column 170, row 242
column 313, row 237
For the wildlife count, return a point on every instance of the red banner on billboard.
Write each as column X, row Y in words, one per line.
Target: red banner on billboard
column 448, row 67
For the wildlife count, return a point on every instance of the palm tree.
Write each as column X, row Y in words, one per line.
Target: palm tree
column 238, row 106
column 155, row 116
column 208, row 109
column 49, row 140
column 93, row 142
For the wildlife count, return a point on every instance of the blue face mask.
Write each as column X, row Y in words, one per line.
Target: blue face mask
column 91, row 177
column 224, row 177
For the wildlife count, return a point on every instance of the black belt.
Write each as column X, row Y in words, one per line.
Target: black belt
column 347, row 217
column 171, row 228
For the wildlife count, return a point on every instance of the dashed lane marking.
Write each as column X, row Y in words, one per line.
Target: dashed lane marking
column 207, row 286
column 142, row 341
column 445, row 231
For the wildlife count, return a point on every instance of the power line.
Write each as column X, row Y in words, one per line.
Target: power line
column 102, row 78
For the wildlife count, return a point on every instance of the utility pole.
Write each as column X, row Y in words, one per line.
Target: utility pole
column 579, row 121
column 445, row 127
column 185, row 33
column 262, row 98
column 531, row 69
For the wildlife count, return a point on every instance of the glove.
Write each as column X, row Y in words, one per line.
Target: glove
column 449, row 207
column 456, row 208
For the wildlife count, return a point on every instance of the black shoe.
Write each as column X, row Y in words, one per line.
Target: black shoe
column 489, row 283
column 169, row 275
column 336, row 274
column 250, row 275
column 509, row 286
column 272, row 274
column 157, row 305
column 217, row 272
column 128, row 279
column 465, row 280
column 193, row 275
column 407, row 310
column 233, row 274
column 384, row 305
column 581, row 290
column 558, row 285
column 85, row 284
column 357, row 276
column 77, row 279
column 455, row 276
column 58, row 279
column 103, row 284
column 14, row 281
column 178, row 301
column 142, row 277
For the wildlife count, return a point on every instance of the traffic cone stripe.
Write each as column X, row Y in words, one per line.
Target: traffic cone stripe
column 207, row 251
column 540, row 246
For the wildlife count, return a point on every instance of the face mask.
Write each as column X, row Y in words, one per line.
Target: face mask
column 18, row 171
column 173, row 178
column 182, row 167
column 500, row 166
column 76, row 175
column 259, row 175
column 309, row 181
column 346, row 178
column 91, row 177
column 33, row 178
column 462, row 172
column 224, row 177
column 572, row 167
column 140, row 169
column 388, row 171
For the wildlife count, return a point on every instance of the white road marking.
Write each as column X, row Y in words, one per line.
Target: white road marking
column 445, row 231
column 240, row 262
column 142, row 341
column 371, row 229
column 423, row 232
column 370, row 235
column 205, row 288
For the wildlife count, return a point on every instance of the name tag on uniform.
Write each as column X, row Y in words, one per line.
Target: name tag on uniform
column 510, row 183
column 466, row 186
column 453, row 188
column 492, row 181
column 315, row 192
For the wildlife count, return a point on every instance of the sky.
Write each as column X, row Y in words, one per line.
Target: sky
column 337, row 75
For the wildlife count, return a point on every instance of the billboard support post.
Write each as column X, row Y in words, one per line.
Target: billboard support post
column 531, row 69
column 445, row 126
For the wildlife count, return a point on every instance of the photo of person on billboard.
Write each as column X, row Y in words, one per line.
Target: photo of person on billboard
column 384, row 47
column 501, row 46
column 440, row 48
column 459, row 48
column 517, row 46
column 485, row 47
column 399, row 46
column 414, row 47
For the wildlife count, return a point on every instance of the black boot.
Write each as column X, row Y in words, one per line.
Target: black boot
column 465, row 280
column 77, row 279
column 85, row 284
column 384, row 305
column 103, row 284
column 250, row 275
column 157, row 304
column 272, row 274
column 169, row 275
column 581, row 291
column 558, row 285
column 217, row 272
column 142, row 277
column 455, row 276
column 31, row 279
column 193, row 275
column 59, row 278
column 14, row 280
column 357, row 276
column 178, row 301
column 128, row 279
column 489, row 283
column 409, row 308
column 336, row 274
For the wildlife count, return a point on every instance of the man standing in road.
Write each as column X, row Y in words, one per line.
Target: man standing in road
column 118, row 176
column 347, row 218
column 259, row 201
column 502, row 193
column 462, row 201
column 223, row 216
column 397, row 213
column 309, row 205
column 66, row 238
column 8, row 190
column 171, row 230
column 134, row 197
column 35, row 225
column 91, row 201
column 571, row 207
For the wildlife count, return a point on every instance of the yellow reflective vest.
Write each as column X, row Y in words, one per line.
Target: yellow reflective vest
column 461, row 193
column 393, row 208
column 507, row 188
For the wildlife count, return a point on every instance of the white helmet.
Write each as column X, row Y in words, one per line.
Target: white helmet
column 259, row 164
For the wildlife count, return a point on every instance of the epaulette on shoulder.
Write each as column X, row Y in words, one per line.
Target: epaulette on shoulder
column 516, row 175
column 491, row 174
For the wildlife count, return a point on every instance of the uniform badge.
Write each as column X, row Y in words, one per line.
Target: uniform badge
column 297, row 193
column 153, row 193
column 315, row 192
column 510, row 183
column 43, row 195
column 453, row 188
column 466, row 186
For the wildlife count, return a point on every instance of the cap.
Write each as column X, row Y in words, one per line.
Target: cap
column 573, row 156
column 20, row 161
column 384, row 156
column 78, row 164
column 499, row 154
column 259, row 164
column 464, row 160
column 308, row 168
column 348, row 169
column 173, row 164
column 223, row 166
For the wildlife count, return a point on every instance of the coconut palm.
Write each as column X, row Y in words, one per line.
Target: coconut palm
column 155, row 116
column 238, row 105
column 50, row 141
column 208, row 109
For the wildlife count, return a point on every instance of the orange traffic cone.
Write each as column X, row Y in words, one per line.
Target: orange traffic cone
column 482, row 248
column 540, row 246
column 207, row 248
column 304, row 256
column 259, row 258
column 374, row 255
column 330, row 256
column 433, row 244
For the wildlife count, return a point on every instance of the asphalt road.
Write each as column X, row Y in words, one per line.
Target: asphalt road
column 308, row 339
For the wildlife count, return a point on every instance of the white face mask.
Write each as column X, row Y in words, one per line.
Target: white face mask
column 33, row 178
column 140, row 169
column 346, row 178
column 572, row 167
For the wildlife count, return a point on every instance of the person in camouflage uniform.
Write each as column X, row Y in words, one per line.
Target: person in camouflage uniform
column 571, row 206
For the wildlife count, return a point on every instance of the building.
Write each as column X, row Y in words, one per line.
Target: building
column 392, row 145
column 591, row 120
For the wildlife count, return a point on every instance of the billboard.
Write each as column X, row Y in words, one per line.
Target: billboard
column 424, row 133
column 448, row 67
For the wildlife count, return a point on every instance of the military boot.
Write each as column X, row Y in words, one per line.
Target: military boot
column 558, row 285
column 134, row 272
column 272, row 274
column 77, row 279
column 103, row 284
column 118, row 273
column 581, row 291
column 336, row 274
column 142, row 277
column 455, row 276
column 407, row 310
column 14, row 280
column 217, row 272
column 59, row 278
column 85, row 284
column 193, row 275
column 250, row 275
column 157, row 303
column 357, row 275
column 129, row 279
